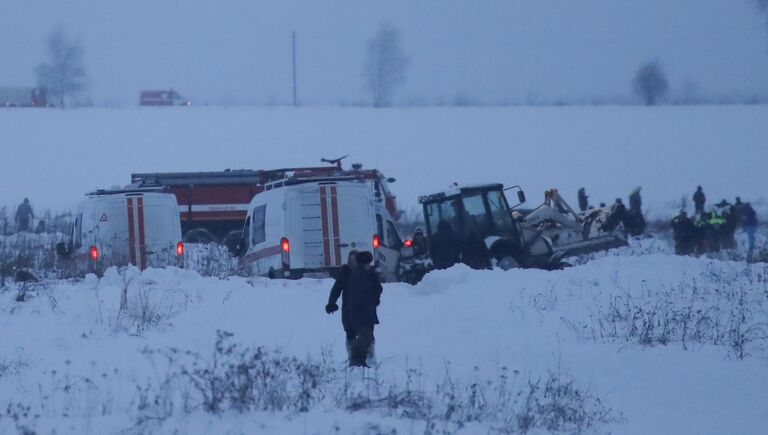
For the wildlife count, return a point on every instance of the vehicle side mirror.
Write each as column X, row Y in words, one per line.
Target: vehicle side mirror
column 391, row 180
column 521, row 196
column 62, row 250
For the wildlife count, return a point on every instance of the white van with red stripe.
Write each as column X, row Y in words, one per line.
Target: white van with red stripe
column 303, row 228
column 117, row 228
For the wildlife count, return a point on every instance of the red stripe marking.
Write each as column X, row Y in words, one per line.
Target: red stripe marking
column 335, row 211
column 324, row 219
column 142, row 243
column 131, row 233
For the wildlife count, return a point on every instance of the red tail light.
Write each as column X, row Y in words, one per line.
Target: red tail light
column 180, row 249
column 407, row 243
column 94, row 252
column 285, row 245
column 375, row 241
column 285, row 255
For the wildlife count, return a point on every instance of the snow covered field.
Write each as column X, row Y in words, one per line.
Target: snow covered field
column 632, row 341
column 635, row 340
column 623, row 344
column 55, row 156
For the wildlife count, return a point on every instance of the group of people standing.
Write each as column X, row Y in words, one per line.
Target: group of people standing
column 632, row 217
column 714, row 229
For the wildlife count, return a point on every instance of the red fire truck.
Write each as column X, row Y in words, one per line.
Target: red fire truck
column 213, row 205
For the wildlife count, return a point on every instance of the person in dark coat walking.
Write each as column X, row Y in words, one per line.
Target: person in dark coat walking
column 698, row 201
column 360, row 290
column 341, row 277
column 583, row 200
column 24, row 216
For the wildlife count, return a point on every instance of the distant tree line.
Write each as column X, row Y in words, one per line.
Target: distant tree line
column 63, row 74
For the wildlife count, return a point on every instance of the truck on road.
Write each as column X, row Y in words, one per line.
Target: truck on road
column 23, row 97
column 162, row 98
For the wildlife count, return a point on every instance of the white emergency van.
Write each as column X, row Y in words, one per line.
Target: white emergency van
column 117, row 228
column 307, row 228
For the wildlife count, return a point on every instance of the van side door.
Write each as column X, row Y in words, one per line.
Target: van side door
column 389, row 248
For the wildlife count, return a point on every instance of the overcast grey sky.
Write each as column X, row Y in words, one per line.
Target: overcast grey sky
column 516, row 50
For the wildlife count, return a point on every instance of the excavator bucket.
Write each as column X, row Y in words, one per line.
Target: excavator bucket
column 587, row 246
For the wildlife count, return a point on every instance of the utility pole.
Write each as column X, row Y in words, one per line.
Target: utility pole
column 293, row 50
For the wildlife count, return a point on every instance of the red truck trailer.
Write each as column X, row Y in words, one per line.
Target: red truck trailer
column 213, row 205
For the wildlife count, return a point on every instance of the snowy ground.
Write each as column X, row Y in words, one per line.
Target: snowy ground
column 635, row 340
column 609, row 150
column 666, row 344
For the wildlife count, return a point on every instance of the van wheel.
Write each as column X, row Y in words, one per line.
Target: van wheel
column 508, row 262
column 199, row 235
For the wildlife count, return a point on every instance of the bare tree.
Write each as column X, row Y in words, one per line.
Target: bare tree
column 650, row 83
column 385, row 65
column 63, row 72
column 762, row 7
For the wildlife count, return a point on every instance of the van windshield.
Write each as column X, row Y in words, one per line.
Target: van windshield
column 259, row 225
column 159, row 225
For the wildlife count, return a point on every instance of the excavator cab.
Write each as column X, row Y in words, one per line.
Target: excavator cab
column 476, row 224
column 470, row 211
